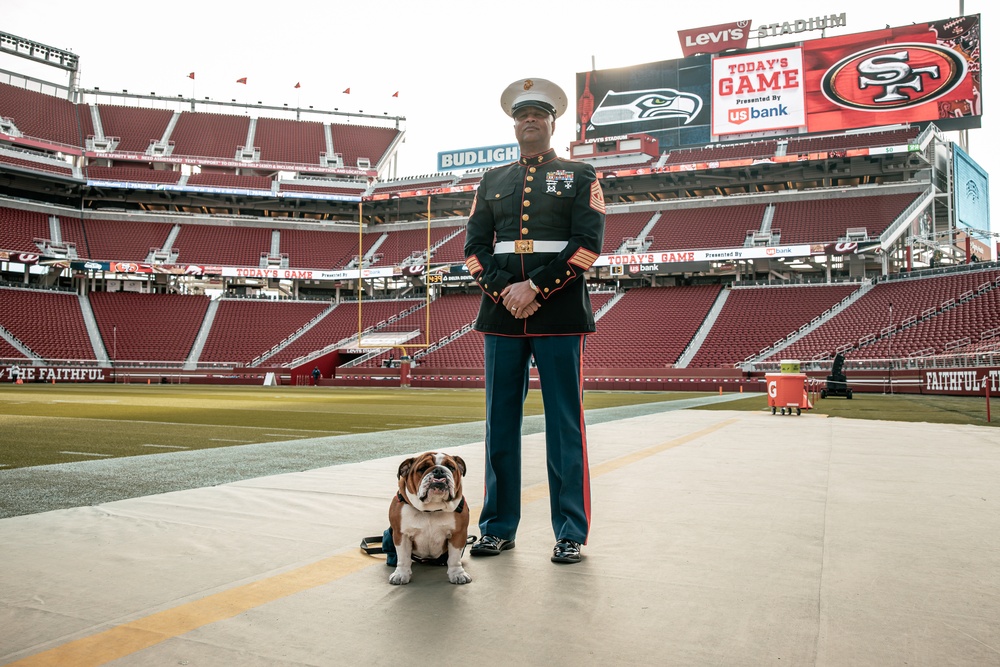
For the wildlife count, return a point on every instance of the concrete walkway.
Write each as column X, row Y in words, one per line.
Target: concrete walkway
column 719, row 538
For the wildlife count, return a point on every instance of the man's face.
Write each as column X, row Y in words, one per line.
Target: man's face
column 533, row 127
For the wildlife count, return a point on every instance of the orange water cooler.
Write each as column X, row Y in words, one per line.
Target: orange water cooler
column 787, row 390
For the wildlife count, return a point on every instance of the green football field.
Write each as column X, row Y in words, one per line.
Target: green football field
column 44, row 424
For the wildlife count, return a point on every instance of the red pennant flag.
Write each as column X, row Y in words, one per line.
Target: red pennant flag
column 347, row 91
column 396, row 94
column 243, row 80
column 298, row 85
column 191, row 75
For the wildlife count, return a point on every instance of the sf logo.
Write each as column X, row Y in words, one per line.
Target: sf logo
column 892, row 72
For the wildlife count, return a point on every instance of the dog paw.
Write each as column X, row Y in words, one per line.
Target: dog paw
column 398, row 578
column 460, row 577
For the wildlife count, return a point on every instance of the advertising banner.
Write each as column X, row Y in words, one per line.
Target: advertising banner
column 916, row 73
column 758, row 91
column 472, row 158
column 668, row 100
column 912, row 74
column 714, row 38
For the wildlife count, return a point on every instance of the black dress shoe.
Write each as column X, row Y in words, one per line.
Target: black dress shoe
column 491, row 545
column 566, row 551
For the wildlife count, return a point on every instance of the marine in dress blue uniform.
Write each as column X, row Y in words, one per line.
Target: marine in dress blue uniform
column 536, row 226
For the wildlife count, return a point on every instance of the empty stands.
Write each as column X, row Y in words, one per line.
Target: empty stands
column 712, row 227
column 341, row 323
column 307, row 249
column 622, row 226
column 135, row 127
column 8, row 351
column 864, row 320
column 244, row 329
column 124, row 240
column 357, row 141
column 649, row 327
column 400, row 245
column 209, row 135
column 148, row 327
column 51, row 166
column 229, row 180
column 18, row 229
column 855, row 140
column 448, row 314
column 756, row 317
column 233, row 246
column 132, row 174
column 828, row 220
column 297, row 142
column 714, row 153
column 41, row 116
column 451, row 251
column 49, row 324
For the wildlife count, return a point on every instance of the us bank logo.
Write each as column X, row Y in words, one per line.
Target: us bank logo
column 893, row 77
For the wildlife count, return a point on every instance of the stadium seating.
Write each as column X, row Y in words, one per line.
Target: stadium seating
column 51, row 166
column 18, row 228
column 340, row 323
column 621, row 226
column 319, row 250
column 41, row 116
column 447, row 314
column 400, row 245
column 798, row 146
column 756, row 317
column 148, row 327
column 649, row 327
column 865, row 319
column 135, row 127
column 232, row 246
column 244, row 329
column 357, row 141
column 209, row 135
column 49, row 324
column 296, row 142
column 827, row 220
column 714, row 153
column 229, row 180
column 8, row 351
column 324, row 187
column 451, row 251
column 123, row 240
column 132, row 174
column 713, row 227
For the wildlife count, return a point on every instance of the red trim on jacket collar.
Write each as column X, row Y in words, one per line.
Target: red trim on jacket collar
column 540, row 158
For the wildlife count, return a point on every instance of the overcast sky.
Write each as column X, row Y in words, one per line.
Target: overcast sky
column 449, row 60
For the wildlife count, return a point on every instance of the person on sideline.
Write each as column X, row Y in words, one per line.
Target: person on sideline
column 535, row 228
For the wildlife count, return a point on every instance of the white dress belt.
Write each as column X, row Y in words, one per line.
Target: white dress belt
column 507, row 247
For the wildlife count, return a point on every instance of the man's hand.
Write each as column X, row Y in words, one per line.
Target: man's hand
column 519, row 299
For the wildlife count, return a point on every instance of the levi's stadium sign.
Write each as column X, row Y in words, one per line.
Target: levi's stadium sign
column 714, row 38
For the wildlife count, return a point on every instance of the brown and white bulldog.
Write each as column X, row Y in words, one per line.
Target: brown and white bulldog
column 429, row 515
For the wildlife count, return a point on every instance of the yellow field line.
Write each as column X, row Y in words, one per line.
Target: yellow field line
column 143, row 633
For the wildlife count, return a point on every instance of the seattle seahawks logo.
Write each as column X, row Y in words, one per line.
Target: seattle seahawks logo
column 636, row 106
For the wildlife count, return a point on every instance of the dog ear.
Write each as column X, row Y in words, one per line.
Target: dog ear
column 461, row 464
column 404, row 467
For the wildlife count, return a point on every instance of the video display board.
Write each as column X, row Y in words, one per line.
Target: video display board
column 927, row 72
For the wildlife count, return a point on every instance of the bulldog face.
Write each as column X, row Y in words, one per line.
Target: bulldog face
column 431, row 478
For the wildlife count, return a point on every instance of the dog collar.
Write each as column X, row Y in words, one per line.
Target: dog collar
column 401, row 498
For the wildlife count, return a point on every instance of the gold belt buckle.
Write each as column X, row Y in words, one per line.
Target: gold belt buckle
column 524, row 246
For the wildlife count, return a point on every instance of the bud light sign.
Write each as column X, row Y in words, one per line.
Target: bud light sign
column 472, row 158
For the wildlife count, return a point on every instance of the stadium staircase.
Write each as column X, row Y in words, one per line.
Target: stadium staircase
column 293, row 337
column 699, row 337
column 18, row 345
column 93, row 331
column 199, row 341
column 806, row 329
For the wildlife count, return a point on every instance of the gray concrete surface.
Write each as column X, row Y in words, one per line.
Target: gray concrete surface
column 719, row 538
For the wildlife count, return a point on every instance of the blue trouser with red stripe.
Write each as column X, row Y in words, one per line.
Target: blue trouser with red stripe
column 559, row 363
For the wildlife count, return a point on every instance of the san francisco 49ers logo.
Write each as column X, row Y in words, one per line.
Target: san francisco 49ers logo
column 893, row 76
